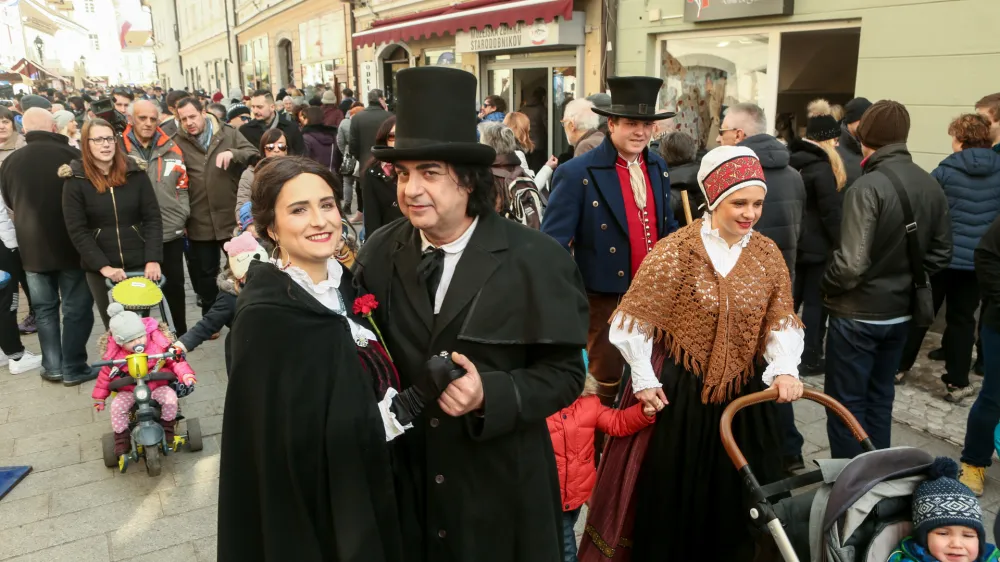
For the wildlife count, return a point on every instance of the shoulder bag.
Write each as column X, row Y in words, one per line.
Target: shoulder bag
column 922, row 306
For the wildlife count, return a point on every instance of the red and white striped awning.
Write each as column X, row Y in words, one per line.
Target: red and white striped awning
column 476, row 14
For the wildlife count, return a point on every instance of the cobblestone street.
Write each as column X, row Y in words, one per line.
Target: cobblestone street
column 72, row 509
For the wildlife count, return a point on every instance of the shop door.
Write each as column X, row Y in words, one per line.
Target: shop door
column 541, row 92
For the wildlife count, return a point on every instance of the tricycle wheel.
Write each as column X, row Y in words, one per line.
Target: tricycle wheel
column 194, row 434
column 108, row 447
column 153, row 461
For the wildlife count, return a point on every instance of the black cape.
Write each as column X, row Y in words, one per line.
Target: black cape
column 305, row 472
column 483, row 487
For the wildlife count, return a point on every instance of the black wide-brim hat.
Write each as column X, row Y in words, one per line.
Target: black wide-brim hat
column 634, row 97
column 436, row 118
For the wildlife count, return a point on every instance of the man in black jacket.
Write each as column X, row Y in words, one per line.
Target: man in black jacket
column 868, row 287
column 781, row 220
column 265, row 117
column 32, row 190
column 476, row 477
column 849, row 148
column 364, row 127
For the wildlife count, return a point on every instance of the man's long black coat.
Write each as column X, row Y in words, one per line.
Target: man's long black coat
column 483, row 487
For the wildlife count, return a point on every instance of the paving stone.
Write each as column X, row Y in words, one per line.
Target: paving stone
column 65, row 437
column 807, row 411
column 136, row 485
column 59, row 479
column 4, row 414
column 137, row 537
column 181, row 499
column 49, row 392
column 14, row 513
column 46, row 460
column 31, row 411
column 54, row 531
column 207, row 549
column 90, row 549
column 28, row 427
column 211, row 425
column 180, row 553
column 21, row 383
column 202, row 470
column 6, row 448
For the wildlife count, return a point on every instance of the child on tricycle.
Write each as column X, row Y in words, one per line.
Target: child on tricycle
column 128, row 333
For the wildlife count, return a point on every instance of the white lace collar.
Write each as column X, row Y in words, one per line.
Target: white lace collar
column 713, row 233
column 334, row 272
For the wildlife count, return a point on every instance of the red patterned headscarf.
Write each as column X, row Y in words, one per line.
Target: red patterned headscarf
column 726, row 170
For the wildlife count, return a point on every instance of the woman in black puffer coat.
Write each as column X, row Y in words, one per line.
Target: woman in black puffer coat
column 680, row 151
column 111, row 213
column 824, row 176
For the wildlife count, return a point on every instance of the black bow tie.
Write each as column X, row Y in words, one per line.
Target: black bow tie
column 430, row 270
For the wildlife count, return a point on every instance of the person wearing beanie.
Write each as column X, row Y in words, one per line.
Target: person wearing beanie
column 868, row 288
column 332, row 115
column 687, row 494
column 947, row 521
column 66, row 126
column 128, row 333
column 848, row 146
column 819, row 163
column 31, row 100
column 238, row 115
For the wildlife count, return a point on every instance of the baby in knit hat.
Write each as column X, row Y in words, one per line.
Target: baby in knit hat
column 947, row 521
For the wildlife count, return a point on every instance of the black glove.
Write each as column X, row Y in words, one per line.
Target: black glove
column 433, row 379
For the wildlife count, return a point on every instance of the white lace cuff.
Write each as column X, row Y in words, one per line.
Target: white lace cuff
column 393, row 428
column 637, row 350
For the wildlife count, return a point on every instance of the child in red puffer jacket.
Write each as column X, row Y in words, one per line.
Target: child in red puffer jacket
column 572, row 430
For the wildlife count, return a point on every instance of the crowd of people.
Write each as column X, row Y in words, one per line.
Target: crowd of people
column 674, row 278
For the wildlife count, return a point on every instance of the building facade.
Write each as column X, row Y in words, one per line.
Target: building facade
column 934, row 56
column 206, row 46
column 529, row 52
column 51, row 39
column 166, row 49
column 301, row 42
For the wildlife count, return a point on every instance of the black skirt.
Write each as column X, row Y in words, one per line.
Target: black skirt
column 690, row 502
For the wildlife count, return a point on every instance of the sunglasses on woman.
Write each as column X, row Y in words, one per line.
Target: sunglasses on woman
column 275, row 147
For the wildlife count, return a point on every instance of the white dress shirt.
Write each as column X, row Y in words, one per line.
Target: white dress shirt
column 452, row 253
column 327, row 292
column 782, row 351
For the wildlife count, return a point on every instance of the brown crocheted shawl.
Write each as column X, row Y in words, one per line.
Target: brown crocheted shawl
column 712, row 325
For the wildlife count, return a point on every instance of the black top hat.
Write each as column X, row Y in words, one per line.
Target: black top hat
column 435, row 118
column 634, row 97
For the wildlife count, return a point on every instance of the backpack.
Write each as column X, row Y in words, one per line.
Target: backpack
column 525, row 204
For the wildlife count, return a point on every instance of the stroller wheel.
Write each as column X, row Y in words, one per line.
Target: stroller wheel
column 108, row 449
column 194, row 435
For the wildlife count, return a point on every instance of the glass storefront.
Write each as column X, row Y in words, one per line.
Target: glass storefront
column 322, row 49
column 256, row 64
column 703, row 76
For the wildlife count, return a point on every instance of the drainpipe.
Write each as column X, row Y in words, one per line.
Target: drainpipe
column 177, row 41
column 229, row 43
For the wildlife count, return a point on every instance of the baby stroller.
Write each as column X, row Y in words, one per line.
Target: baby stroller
column 861, row 509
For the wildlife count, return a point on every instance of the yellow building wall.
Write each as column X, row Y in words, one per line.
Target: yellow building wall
column 285, row 24
column 937, row 57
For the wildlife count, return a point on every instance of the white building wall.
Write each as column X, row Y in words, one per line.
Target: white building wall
column 204, row 48
column 11, row 38
column 165, row 46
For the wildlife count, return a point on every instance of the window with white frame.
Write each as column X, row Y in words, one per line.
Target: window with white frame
column 88, row 6
column 95, row 43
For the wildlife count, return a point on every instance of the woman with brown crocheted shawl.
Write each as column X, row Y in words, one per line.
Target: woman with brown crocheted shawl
column 707, row 309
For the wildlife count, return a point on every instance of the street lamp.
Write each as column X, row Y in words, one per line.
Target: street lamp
column 40, row 46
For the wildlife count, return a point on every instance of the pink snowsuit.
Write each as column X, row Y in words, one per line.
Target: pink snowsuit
column 156, row 343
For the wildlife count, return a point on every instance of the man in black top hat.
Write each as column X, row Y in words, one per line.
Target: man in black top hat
column 611, row 205
column 476, row 476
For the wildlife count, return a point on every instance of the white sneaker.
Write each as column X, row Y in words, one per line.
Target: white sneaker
column 27, row 362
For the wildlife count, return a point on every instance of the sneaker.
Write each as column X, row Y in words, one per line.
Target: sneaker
column 936, row 354
column 957, row 393
column 27, row 362
column 974, row 477
column 28, row 326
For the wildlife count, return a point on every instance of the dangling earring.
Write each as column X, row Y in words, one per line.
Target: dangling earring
column 277, row 248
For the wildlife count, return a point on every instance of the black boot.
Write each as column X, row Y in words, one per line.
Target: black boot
column 168, row 432
column 123, row 443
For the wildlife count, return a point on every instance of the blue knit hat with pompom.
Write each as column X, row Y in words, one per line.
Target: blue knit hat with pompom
column 943, row 501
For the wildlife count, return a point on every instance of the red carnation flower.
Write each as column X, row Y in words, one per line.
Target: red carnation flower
column 365, row 305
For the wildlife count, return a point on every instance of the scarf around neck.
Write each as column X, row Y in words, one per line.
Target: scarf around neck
column 714, row 326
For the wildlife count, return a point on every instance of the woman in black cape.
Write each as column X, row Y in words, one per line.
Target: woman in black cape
column 305, row 469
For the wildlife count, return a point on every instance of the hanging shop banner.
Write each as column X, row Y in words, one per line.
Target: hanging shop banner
column 715, row 10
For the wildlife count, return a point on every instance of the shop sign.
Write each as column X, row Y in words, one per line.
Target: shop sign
column 521, row 36
column 715, row 10
column 367, row 82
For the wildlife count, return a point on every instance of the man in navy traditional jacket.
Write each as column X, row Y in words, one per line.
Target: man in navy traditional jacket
column 610, row 206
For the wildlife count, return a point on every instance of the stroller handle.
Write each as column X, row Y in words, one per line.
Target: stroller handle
column 726, row 425
column 131, row 274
